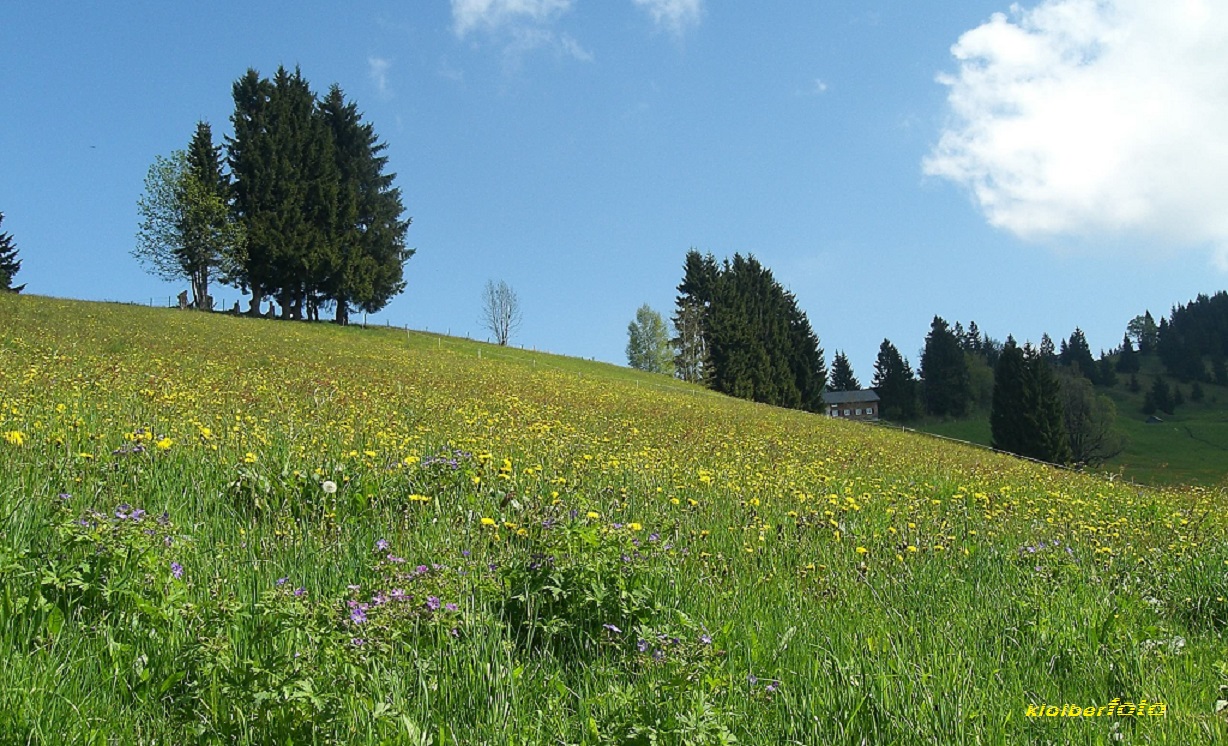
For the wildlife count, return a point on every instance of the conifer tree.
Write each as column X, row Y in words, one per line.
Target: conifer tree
column 756, row 343
column 842, row 378
column 1077, row 355
column 944, row 369
column 1043, row 401
column 1027, row 417
column 895, row 384
column 1127, row 358
column 9, row 263
column 366, row 230
column 1008, row 421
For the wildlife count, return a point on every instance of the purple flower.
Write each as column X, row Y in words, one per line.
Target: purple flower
column 772, row 686
column 381, row 545
column 422, row 569
column 613, row 629
column 137, row 515
column 752, row 679
column 357, row 642
column 282, row 581
column 658, row 655
column 358, row 614
column 397, row 594
column 397, row 560
column 432, row 603
column 706, row 639
column 654, row 537
column 300, row 591
column 379, row 599
column 165, row 518
column 451, row 607
column 642, row 646
column 65, row 496
column 177, row 570
column 122, row 511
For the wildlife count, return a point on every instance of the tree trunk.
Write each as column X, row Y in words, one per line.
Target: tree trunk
column 257, row 301
column 343, row 313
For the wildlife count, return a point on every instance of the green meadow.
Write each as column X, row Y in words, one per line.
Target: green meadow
column 217, row 529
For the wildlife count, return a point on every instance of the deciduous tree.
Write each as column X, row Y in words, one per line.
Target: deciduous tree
column 500, row 311
column 648, row 343
column 186, row 229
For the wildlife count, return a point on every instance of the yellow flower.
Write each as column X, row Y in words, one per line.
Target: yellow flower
column 862, row 550
column 250, row 458
column 164, row 444
column 634, row 526
column 592, row 515
column 15, row 437
column 488, row 521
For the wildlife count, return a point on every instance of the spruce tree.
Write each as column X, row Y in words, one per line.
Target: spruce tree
column 1127, row 358
column 1008, row 421
column 9, row 263
column 1161, row 396
column 944, row 369
column 758, row 344
column 1077, row 355
column 366, row 230
column 257, row 187
column 842, row 378
column 895, row 384
column 1047, row 440
column 212, row 241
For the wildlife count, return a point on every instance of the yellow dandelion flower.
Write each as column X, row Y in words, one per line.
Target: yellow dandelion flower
column 164, row 444
column 488, row 521
column 862, row 550
column 592, row 515
column 15, row 437
column 634, row 526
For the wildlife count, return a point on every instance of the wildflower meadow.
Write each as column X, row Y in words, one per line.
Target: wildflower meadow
column 231, row 530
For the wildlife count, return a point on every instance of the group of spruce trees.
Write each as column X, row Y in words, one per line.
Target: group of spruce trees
column 305, row 214
column 743, row 334
column 322, row 220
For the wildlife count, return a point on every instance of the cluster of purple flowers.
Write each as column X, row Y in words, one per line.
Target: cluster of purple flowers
column 1040, row 547
column 451, row 460
column 770, row 688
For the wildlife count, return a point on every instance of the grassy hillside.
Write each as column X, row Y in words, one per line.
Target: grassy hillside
column 225, row 530
column 1189, row 447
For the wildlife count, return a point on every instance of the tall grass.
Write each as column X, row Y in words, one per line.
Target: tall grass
column 223, row 530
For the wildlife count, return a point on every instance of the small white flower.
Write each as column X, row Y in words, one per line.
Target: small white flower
column 329, row 486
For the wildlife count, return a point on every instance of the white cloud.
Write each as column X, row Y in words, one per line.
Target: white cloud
column 674, row 15
column 378, row 68
column 468, row 15
column 1094, row 118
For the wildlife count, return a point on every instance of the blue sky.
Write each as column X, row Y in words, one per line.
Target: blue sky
column 1030, row 168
